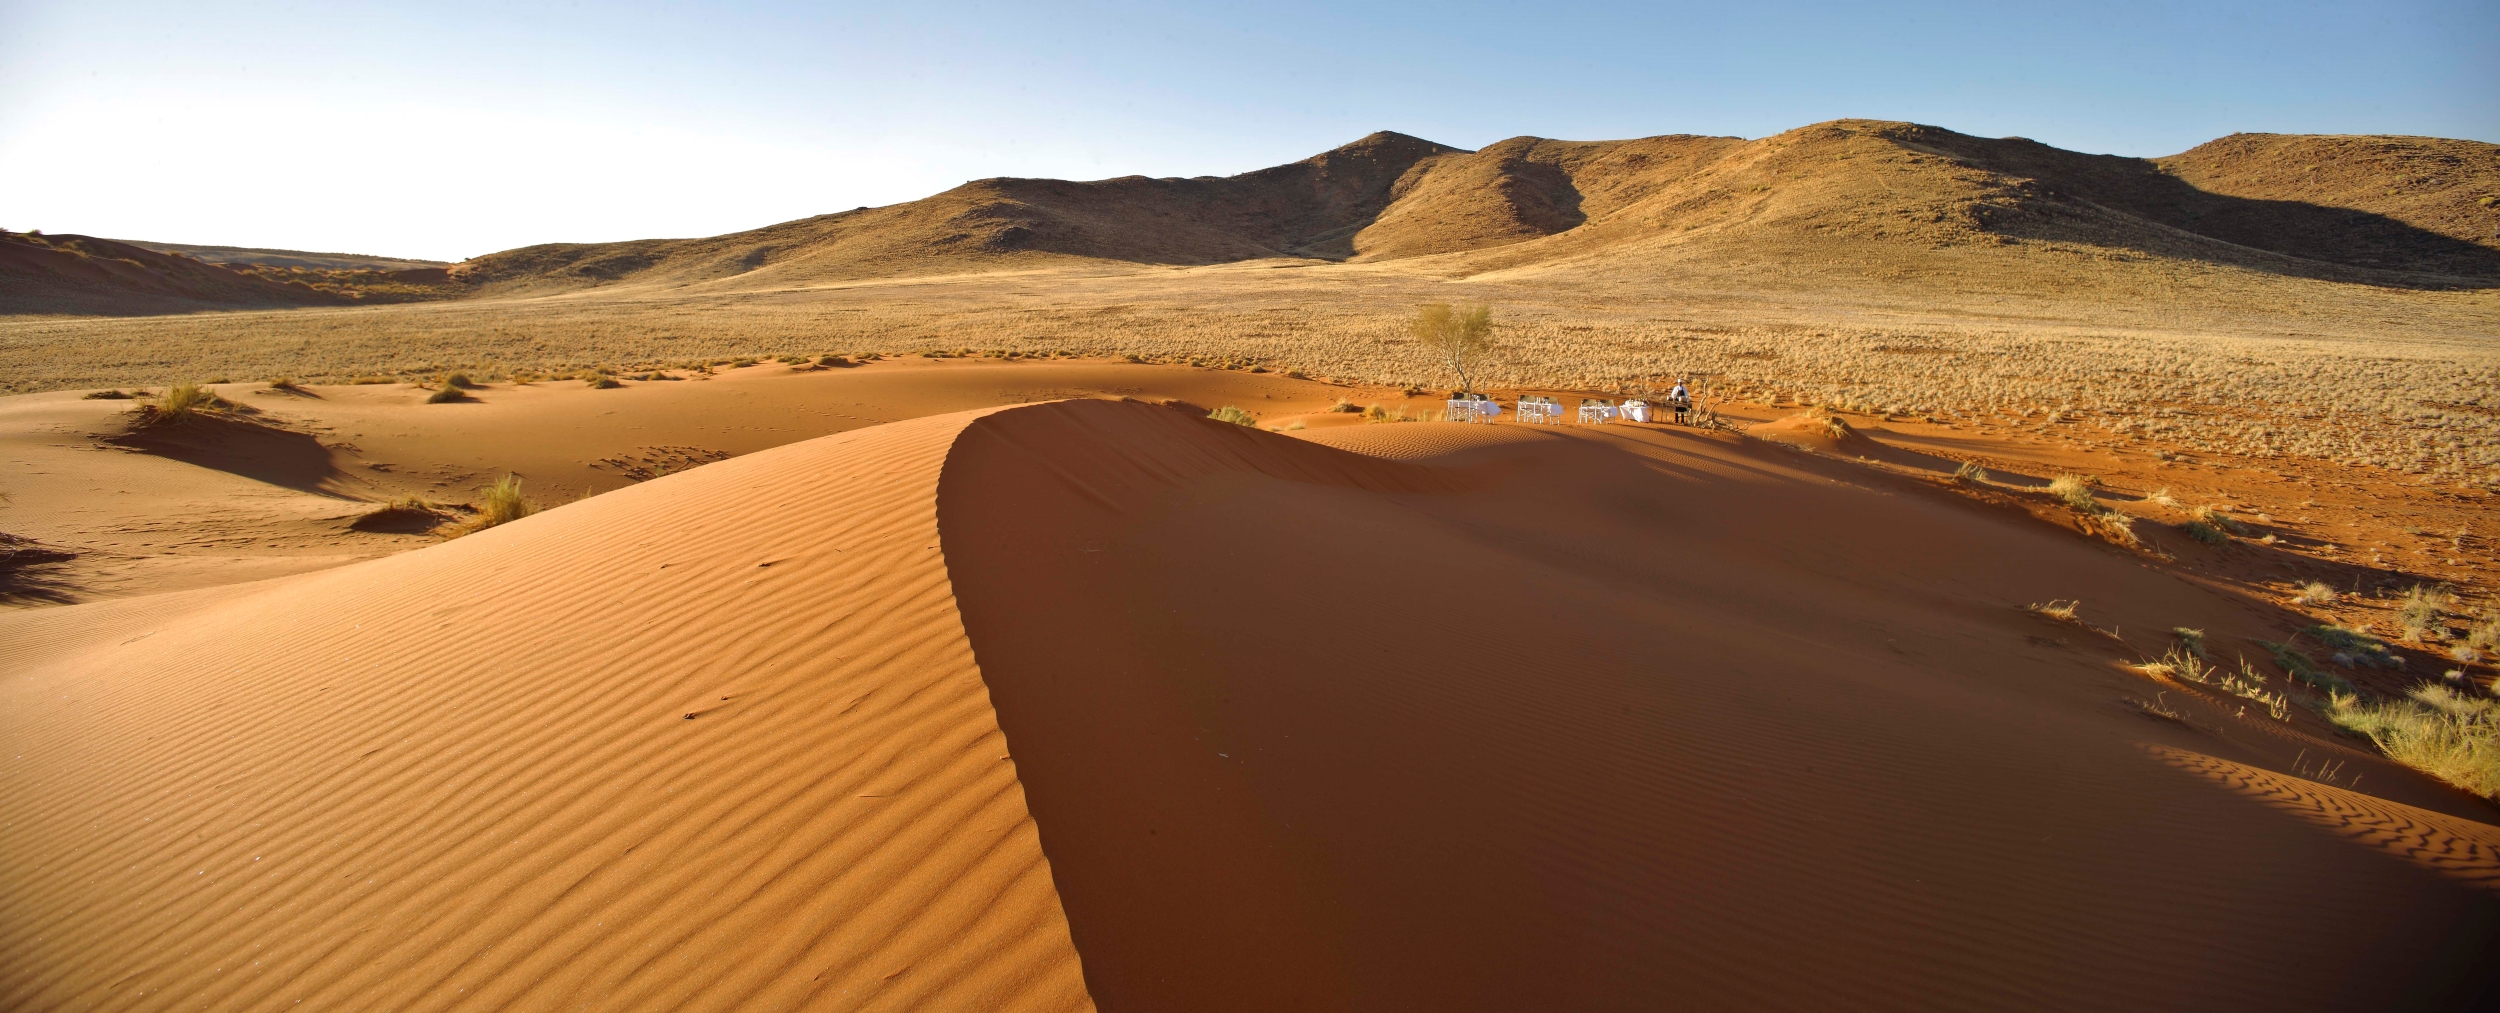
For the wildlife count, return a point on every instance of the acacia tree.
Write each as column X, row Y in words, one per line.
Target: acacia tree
column 1459, row 335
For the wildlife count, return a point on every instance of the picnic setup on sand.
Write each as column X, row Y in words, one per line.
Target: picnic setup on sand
column 1537, row 409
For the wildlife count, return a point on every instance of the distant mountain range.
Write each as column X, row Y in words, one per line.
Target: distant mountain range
column 2386, row 210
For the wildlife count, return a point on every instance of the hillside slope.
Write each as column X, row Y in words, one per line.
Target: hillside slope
column 83, row 274
column 2386, row 210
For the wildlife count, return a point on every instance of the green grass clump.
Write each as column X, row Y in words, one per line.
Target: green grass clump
column 2298, row 666
column 2436, row 730
column 2355, row 647
column 1234, row 415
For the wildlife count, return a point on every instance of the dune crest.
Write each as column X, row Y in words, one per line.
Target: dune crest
column 711, row 742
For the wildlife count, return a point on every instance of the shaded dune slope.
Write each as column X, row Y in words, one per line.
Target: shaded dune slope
column 1473, row 718
column 1587, row 722
column 465, row 777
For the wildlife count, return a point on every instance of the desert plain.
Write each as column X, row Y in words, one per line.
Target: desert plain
column 2077, row 592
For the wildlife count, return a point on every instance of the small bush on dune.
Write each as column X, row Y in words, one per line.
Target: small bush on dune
column 179, row 402
column 2436, row 730
column 2422, row 609
column 2162, row 497
column 2356, row 647
column 1346, row 407
column 502, row 504
column 447, row 395
column 287, row 385
column 458, row 381
column 2217, row 519
column 108, row 395
column 2315, row 593
column 1234, row 415
column 604, row 383
column 2191, row 641
column 2298, row 666
column 2075, row 492
column 1970, row 473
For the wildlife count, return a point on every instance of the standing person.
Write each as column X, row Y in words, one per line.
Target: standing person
column 1681, row 401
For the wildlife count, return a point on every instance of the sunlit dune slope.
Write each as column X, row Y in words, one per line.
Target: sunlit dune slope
column 1621, row 719
column 1435, row 717
column 711, row 742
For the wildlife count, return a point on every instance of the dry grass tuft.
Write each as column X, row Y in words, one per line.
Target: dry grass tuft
column 2419, row 617
column 449, row 394
column 2076, row 492
column 2436, row 730
column 2314, row 593
column 1970, row 473
column 502, row 504
column 1234, row 415
column 607, row 382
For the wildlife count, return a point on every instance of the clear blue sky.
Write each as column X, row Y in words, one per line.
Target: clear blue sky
column 447, row 129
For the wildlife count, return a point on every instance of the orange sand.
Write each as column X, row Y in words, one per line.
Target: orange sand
column 1449, row 718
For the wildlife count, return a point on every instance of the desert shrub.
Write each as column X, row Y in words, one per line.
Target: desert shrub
column 2163, row 497
column 2191, row 641
column 2213, row 517
column 2205, row 533
column 2076, row 493
column 2355, row 647
column 1970, row 473
column 835, row 361
column 2436, row 730
column 179, row 402
column 107, row 395
column 2422, row 609
column 1234, row 415
column 604, row 383
column 2315, row 593
column 287, row 384
column 2485, row 634
column 1296, row 426
column 370, row 380
column 1345, row 406
column 447, row 395
column 502, row 503
column 2299, row 667
column 458, row 381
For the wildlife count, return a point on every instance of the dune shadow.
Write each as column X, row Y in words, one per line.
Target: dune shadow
column 32, row 573
column 237, row 446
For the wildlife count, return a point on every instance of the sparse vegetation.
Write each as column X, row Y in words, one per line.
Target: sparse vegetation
column 2055, row 608
column 1234, row 415
column 1458, row 336
column 2355, row 647
column 1970, row 473
column 2419, row 617
column 2301, row 669
column 2076, row 493
column 111, row 395
column 447, row 395
column 604, row 382
column 2190, row 640
column 2435, row 729
column 1345, row 406
column 502, row 503
column 2314, row 593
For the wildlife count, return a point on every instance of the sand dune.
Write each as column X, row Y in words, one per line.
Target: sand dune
column 1388, row 717
column 714, row 742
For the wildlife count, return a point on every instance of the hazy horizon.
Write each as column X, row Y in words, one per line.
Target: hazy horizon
column 460, row 129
